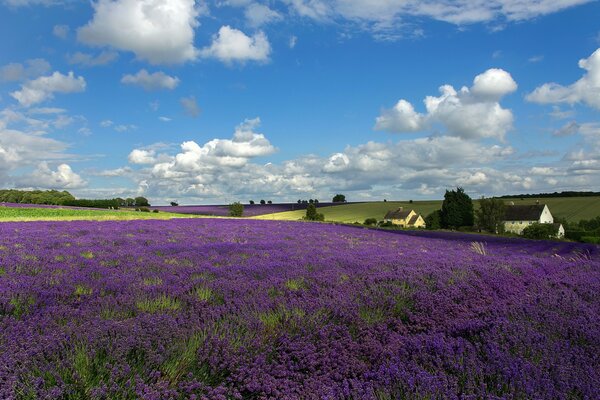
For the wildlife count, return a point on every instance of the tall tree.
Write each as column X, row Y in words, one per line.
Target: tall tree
column 457, row 209
column 490, row 215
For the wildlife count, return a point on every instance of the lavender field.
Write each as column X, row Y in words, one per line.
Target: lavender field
column 247, row 309
column 250, row 210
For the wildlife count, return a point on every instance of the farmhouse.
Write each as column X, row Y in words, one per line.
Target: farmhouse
column 405, row 219
column 519, row 217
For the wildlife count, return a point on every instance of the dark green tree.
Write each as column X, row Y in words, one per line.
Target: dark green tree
column 312, row 214
column 370, row 221
column 490, row 215
column 339, row 198
column 141, row 202
column 236, row 209
column 434, row 220
column 263, row 202
column 457, row 209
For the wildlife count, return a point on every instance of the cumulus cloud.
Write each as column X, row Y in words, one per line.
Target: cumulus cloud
column 138, row 156
column 230, row 45
column 190, row 106
column 469, row 113
column 89, row 60
column 33, row 68
column 61, row 178
column 155, row 81
column 43, row 88
column 161, row 32
column 586, row 90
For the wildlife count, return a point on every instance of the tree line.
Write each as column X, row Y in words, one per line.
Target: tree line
column 64, row 198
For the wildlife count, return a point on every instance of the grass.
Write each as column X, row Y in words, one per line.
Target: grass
column 573, row 209
column 66, row 214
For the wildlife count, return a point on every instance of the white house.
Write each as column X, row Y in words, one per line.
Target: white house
column 519, row 217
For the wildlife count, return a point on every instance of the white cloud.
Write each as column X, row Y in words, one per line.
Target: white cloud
column 17, row 72
column 401, row 118
column 258, row 15
column 586, row 90
column 89, row 60
column 60, row 31
column 43, row 88
column 468, row 113
column 138, row 156
column 161, row 32
column 231, row 45
column 61, row 178
column 107, row 123
column 164, row 119
column 190, row 106
column 292, row 42
column 155, row 81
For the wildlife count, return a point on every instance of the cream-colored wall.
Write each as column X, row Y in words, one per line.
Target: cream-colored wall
column 419, row 223
column 517, row 226
column 546, row 217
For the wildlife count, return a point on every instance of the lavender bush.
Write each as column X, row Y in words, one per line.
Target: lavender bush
column 244, row 309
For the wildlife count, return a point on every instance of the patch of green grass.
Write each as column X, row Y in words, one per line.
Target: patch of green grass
column 203, row 293
column 184, row 358
column 67, row 214
column 82, row 290
column 154, row 281
column 87, row 254
column 159, row 304
column 21, row 305
column 296, row 284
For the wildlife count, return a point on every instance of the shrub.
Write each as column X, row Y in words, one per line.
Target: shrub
column 434, row 220
column 539, row 231
column 236, row 209
column 155, row 211
column 591, row 239
column 174, row 203
column 143, row 209
column 370, row 221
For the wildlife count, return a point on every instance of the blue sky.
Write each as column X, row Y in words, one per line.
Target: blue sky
column 217, row 101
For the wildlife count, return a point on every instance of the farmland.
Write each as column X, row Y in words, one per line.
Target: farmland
column 573, row 209
column 219, row 309
column 48, row 213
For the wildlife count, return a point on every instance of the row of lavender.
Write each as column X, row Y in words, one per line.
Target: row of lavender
column 250, row 210
column 225, row 309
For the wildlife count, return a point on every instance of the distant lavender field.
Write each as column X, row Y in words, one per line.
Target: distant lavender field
column 245, row 309
column 250, row 210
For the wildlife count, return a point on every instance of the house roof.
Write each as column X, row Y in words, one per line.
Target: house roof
column 530, row 212
column 413, row 220
column 398, row 214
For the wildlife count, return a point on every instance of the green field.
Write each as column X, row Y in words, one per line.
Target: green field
column 67, row 214
column 573, row 209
